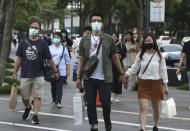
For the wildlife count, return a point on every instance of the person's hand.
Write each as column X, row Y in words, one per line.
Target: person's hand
column 14, row 76
column 68, row 72
column 166, row 91
column 56, row 75
column 126, row 76
column 78, row 84
column 122, row 78
column 178, row 71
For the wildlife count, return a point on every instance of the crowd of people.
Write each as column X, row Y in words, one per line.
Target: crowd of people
column 120, row 63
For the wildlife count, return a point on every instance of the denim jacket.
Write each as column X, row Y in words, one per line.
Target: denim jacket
column 108, row 49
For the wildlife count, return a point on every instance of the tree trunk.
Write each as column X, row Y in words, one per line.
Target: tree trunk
column 7, row 35
column 140, row 21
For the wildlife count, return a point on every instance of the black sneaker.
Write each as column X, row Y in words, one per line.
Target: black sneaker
column 155, row 128
column 35, row 119
column 26, row 114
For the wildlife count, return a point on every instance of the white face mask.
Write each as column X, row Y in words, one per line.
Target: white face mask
column 96, row 26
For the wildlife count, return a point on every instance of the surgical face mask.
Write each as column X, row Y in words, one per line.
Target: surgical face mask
column 64, row 34
column 56, row 40
column 148, row 46
column 33, row 32
column 96, row 26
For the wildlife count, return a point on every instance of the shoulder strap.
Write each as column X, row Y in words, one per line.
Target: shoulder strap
column 36, row 53
column 99, row 45
column 62, row 55
column 148, row 63
column 28, row 43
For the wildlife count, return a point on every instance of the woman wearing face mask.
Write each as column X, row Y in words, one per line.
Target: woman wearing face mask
column 128, row 61
column 62, row 60
column 151, row 76
column 116, row 84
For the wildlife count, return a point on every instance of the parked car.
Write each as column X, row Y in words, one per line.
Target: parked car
column 185, row 39
column 162, row 40
column 171, row 53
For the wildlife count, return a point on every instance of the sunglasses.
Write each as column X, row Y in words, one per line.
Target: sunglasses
column 34, row 27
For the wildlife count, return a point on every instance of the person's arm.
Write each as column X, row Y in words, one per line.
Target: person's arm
column 51, row 62
column 67, row 61
column 17, row 66
column 80, row 64
column 183, row 55
column 164, row 76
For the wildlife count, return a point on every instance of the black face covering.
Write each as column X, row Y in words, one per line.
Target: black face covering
column 148, row 46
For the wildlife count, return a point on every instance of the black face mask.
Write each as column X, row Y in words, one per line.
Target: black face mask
column 148, row 46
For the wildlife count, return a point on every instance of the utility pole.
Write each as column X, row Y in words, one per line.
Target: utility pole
column 71, row 19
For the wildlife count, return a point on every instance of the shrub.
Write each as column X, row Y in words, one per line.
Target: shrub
column 9, row 66
column 183, row 87
column 7, row 89
column 10, row 81
column 10, row 60
column 8, row 73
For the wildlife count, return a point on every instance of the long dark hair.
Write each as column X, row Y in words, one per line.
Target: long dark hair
column 155, row 46
column 132, row 39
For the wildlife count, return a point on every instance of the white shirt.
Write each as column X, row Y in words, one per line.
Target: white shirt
column 56, row 54
column 98, row 73
column 156, row 70
column 76, row 44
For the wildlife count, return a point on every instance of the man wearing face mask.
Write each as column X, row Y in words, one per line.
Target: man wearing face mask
column 32, row 75
column 101, row 78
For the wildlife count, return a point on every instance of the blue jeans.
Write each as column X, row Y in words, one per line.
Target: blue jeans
column 91, row 86
column 59, row 88
column 188, row 78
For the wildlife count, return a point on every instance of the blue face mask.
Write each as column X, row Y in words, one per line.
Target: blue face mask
column 33, row 32
column 96, row 26
column 64, row 34
column 56, row 40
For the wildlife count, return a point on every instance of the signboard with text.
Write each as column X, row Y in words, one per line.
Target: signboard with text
column 157, row 11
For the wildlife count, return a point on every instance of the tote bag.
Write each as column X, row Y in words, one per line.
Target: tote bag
column 168, row 108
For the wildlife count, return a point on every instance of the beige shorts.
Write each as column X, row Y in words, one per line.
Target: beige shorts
column 27, row 84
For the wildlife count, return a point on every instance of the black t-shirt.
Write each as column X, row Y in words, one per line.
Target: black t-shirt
column 30, row 66
column 186, row 50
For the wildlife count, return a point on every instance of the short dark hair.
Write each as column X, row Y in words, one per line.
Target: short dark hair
column 64, row 31
column 116, row 33
column 58, row 34
column 38, row 24
column 87, row 28
column 96, row 14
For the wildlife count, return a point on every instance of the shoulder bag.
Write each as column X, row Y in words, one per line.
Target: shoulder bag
column 91, row 64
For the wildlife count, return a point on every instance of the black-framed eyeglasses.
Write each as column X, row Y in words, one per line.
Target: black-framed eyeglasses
column 96, row 20
column 34, row 27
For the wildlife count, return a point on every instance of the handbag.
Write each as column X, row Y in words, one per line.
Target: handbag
column 13, row 98
column 49, row 72
column 168, row 108
column 91, row 64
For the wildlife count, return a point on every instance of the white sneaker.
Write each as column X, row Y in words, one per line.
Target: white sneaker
column 117, row 100
column 112, row 100
column 59, row 106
